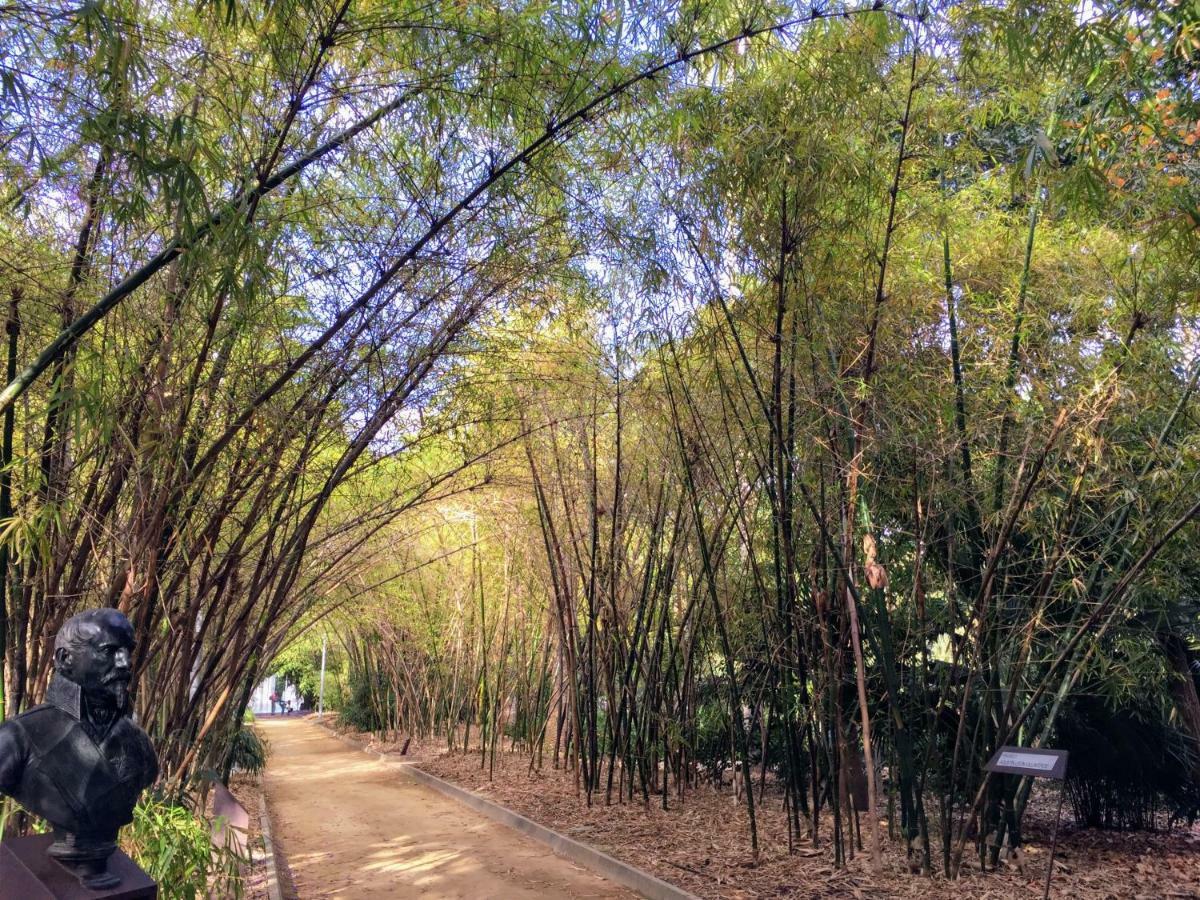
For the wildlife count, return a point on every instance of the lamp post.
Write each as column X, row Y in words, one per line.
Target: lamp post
column 321, row 694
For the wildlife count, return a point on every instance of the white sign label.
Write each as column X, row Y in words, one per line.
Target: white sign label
column 1035, row 761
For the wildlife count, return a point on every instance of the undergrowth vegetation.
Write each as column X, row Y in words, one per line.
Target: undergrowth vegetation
column 175, row 848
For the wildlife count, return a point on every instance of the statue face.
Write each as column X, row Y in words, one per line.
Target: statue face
column 99, row 662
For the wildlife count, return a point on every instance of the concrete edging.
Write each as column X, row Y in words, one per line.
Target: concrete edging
column 356, row 744
column 264, row 826
column 601, row 863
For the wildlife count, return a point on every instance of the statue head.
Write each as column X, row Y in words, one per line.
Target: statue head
column 94, row 649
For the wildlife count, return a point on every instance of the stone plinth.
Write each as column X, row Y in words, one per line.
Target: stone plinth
column 27, row 873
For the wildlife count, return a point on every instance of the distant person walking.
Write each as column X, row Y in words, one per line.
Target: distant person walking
column 275, row 701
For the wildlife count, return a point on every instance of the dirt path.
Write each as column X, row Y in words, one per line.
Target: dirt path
column 350, row 826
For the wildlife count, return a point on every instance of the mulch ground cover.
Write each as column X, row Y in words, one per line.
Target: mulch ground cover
column 701, row 844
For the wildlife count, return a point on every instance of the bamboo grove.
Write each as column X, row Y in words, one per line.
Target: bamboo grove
column 660, row 390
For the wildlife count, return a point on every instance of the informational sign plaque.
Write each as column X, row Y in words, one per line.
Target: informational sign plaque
column 1035, row 763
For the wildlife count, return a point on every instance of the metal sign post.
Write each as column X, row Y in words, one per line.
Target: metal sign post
column 1036, row 763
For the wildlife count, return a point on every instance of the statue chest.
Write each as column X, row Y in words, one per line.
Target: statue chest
column 76, row 782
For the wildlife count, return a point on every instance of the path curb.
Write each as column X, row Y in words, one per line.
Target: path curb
column 610, row 867
column 356, row 744
column 264, row 826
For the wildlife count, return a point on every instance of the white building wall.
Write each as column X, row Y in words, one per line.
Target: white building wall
column 260, row 700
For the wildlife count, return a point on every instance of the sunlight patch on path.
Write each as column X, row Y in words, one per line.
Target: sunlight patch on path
column 351, row 826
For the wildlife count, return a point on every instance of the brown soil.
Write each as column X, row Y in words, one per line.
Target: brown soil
column 702, row 845
column 350, row 826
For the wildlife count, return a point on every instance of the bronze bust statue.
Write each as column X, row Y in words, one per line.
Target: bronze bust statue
column 78, row 760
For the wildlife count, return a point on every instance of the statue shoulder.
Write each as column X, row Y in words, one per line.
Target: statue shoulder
column 11, row 734
column 44, row 724
column 35, row 712
column 14, row 751
column 137, row 733
column 32, row 719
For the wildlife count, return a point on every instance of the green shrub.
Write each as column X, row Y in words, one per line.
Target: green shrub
column 175, row 848
column 359, row 710
column 1129, row 767
column 9, row 810
column 248, row 751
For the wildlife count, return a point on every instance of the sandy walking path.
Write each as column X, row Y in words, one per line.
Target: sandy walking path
column 352, row 827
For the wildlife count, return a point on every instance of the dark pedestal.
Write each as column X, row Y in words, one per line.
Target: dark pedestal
column 27, row 873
